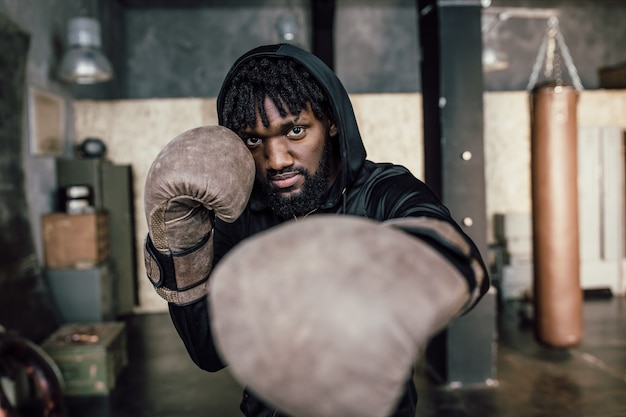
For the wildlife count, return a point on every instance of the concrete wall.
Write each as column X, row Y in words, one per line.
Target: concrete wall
column 592, row 30
column 186, row 51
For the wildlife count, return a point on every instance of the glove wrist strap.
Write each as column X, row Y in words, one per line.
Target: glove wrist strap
column 180, row 278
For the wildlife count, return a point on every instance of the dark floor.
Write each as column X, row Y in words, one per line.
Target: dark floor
column 588, row 381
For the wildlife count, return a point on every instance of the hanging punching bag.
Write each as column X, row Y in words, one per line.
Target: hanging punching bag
column 557, row 291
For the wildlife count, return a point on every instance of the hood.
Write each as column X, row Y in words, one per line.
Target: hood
column 351, row 145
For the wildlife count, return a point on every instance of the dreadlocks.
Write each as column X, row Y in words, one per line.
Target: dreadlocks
column 284, row 81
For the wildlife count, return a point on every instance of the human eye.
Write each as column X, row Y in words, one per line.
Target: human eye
column 296, row 132
column 252, row 142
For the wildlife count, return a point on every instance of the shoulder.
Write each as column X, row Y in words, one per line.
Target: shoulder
column 388, row 190
column 388, row 178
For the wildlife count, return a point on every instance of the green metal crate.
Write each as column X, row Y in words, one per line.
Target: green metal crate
column 90, row 356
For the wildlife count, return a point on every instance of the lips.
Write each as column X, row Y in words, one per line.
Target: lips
column 285, row 180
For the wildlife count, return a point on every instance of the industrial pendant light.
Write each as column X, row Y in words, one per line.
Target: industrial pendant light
column 287, row 25
column 84, row 62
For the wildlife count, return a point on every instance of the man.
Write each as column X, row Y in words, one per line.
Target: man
column 295, row 118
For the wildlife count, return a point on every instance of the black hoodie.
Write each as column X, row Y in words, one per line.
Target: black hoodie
column 379, row 191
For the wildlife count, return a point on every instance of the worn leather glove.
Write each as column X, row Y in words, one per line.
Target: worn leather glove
column 325, row 317
column 202, row 173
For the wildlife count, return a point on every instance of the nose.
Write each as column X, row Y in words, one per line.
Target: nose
column 277, row 153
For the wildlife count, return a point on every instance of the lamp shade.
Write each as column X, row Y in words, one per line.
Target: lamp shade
column 84, row 62
column 287, row 27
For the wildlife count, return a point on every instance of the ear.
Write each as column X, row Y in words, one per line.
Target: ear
column 332, row 129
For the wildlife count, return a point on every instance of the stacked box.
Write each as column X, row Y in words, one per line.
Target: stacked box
column 90, row 356
column 75, row 240
column 84, row 295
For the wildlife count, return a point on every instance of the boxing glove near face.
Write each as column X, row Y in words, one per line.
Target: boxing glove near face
column 202, row 173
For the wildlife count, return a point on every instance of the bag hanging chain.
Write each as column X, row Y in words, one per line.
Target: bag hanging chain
column 553, row 41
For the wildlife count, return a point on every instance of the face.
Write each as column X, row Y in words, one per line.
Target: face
column 294, row 162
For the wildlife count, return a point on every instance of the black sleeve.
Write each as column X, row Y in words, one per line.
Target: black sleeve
column 192, row 322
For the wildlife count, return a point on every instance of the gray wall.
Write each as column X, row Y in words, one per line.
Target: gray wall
column 179, row 52
column 187, row 51
column 593, row 31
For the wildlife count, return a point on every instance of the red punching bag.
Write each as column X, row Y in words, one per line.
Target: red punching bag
column 557, row 291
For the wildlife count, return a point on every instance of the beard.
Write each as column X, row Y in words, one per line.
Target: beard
column 309, row 198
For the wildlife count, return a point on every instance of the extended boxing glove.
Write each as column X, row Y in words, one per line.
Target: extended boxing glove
column 325, row 317
column 201, row 174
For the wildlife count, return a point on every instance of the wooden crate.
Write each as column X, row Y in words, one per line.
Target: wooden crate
column 90, row 356
column 75, row 240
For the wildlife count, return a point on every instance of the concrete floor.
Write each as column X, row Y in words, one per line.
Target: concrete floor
column 587, row 381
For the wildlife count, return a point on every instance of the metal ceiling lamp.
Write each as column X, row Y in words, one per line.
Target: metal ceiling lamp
column 84, row 62
column 287, row 24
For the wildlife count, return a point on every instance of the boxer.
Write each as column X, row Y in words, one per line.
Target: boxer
column 314, row 273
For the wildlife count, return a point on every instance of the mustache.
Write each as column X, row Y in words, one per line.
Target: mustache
column 272, row 173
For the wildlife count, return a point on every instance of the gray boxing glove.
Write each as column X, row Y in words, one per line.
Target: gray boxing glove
column 202, row 173
column 325, row 317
